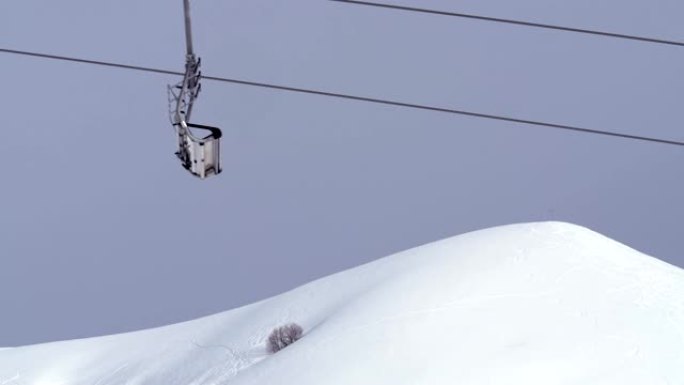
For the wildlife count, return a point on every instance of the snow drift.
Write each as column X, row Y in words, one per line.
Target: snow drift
column 543, row 303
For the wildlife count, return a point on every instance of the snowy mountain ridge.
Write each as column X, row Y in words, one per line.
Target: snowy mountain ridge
column 541, row 303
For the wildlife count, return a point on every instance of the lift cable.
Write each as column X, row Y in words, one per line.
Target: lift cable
column 356, row 98
column 514, row 22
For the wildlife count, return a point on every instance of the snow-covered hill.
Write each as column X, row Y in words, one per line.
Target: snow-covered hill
column 532, row 304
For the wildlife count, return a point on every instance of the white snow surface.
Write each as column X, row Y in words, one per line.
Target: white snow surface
column 533, row 304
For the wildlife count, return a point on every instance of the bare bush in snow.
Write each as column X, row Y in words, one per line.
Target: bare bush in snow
column 283, row 336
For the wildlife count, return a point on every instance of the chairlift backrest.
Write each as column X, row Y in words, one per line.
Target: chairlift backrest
column 199, row 155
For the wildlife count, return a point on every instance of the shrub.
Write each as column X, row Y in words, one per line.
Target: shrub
column 283, row 336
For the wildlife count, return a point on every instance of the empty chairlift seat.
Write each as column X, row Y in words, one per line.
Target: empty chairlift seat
column 199, row 155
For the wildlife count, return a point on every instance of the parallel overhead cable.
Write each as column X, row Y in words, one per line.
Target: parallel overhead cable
column 86, row 61
column 514, row 22
column 353, row 97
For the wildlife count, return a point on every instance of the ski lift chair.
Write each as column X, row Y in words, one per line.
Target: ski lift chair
column 199, row 155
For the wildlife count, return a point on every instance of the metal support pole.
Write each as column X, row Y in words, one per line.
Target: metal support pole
column 188, row 29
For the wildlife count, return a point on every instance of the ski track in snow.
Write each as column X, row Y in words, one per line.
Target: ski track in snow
column 10, row 381
column 111, row 375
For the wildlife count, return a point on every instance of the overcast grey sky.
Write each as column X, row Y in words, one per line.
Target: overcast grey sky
column 102, row 231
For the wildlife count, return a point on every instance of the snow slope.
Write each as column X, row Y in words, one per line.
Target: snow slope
column 532, row 304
